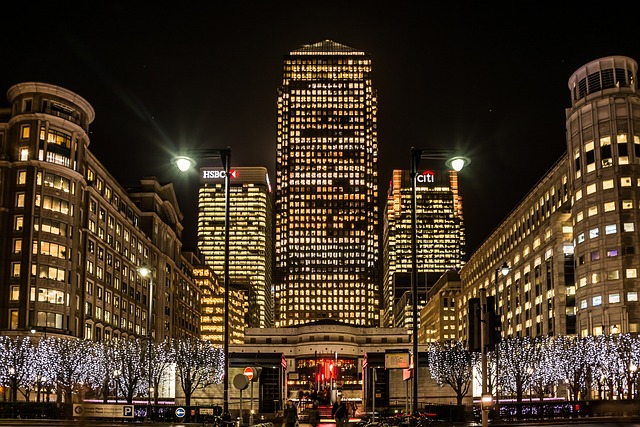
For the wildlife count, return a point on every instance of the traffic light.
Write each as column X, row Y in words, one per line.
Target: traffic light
column 494, row 325
column 475, row 328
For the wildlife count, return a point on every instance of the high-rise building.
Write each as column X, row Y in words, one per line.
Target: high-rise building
column 439, row 234
column 250, row 235
column 327, row 188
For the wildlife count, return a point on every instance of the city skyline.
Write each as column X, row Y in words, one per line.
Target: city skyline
column 492, row 83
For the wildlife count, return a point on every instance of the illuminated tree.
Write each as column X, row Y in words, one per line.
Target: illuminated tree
column 129, row 361
column 17, row 364
column 545, row 371
column 575, row 360
column 516, row 364
column 450, row 364
column 161, row 359
column 198, row 363
column 69, row 357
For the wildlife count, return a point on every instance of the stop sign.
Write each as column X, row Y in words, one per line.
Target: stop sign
column 248, row 372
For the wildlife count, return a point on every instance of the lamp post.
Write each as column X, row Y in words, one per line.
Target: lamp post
column 504, row 269
column 185, row 163
column 456, row 163
column 144, row 272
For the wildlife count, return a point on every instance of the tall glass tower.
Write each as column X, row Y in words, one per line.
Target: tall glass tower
column 327, row 188
column 250, row 241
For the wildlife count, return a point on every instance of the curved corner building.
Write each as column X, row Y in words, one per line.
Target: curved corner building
column 603, row 143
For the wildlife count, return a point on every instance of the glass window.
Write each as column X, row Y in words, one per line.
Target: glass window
column 609, row 206
column 632, row 296
column 631, row 273
column 625, row 181
column 628, row 227
column 610, row 229
column 627, row 204
column 25, row 131
column 614, row 298
column 593, row 233
column 607, row 184
column 583, row 304
column 596, row 300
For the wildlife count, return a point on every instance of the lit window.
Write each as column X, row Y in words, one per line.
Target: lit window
column 596, row 300
column 607, row 184
column 20, row 200
column 593, row 210
column 22, row 178
column 580, row 237
column 627, row 204
column 591, row 188
column 15, row 269
column 15, row 293
column 593, row 233
column 578, row 195
column 612, row 252
column 625, row 181
column 632, row 296
column 631, row 273
column 579, row 216
column 628, row 227
column 582, row 282
column 614, row 298
column 613, row 275
column 609, row 206
column 25, row 131
column 24, row 154
column 583, row 303
column 610, row 229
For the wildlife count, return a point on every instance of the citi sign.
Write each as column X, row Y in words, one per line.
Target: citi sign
column 218, row 174
column 426, row 177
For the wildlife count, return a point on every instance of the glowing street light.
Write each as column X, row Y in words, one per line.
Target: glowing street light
column 184, row 163
column 456, row 163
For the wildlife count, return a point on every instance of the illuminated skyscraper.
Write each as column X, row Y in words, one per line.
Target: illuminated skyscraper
column 250, row 241
column 327, row 188
column 440, row 239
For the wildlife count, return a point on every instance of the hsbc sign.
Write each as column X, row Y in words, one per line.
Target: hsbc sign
column 217, row 174
column 426, row 177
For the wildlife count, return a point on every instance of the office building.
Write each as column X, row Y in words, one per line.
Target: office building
column 250, row 236
column 327, row 188
column 72, row 238
column 439, row 234
column 572, row 243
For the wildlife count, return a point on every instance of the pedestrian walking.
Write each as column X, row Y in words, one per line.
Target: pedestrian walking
column 339, row 412
column 290, row 414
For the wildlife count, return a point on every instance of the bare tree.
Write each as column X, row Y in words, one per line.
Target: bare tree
column 70, row 358
column 129, row 360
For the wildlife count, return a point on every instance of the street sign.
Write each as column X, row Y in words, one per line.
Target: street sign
column 97, row 410
column 248, row 372
column 180, row 412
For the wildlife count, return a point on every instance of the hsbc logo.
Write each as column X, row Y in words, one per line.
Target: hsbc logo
column 426, row 177
column 218, row 174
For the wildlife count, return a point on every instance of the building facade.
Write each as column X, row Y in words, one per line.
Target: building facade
column 72, row 238
column 250, row 236
column 572, row 243
column 326, row 228
column 439, row 235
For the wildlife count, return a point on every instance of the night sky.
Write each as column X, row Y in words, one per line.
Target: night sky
column 486, row 80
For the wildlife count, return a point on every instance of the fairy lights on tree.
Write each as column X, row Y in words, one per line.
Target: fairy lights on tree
column 450, row 364
column 198, row 363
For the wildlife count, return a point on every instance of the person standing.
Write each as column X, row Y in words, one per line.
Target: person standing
column 290, row 414
column 339, row 412
column 314, row 415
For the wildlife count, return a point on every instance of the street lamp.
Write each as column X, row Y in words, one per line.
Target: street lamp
column 504, row 269
column 184, row 163
column 144, row 272
column 456, row 163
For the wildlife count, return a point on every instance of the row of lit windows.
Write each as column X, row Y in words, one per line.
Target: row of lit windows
column 594, row 233
column 613, row 298
column 606, row 153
